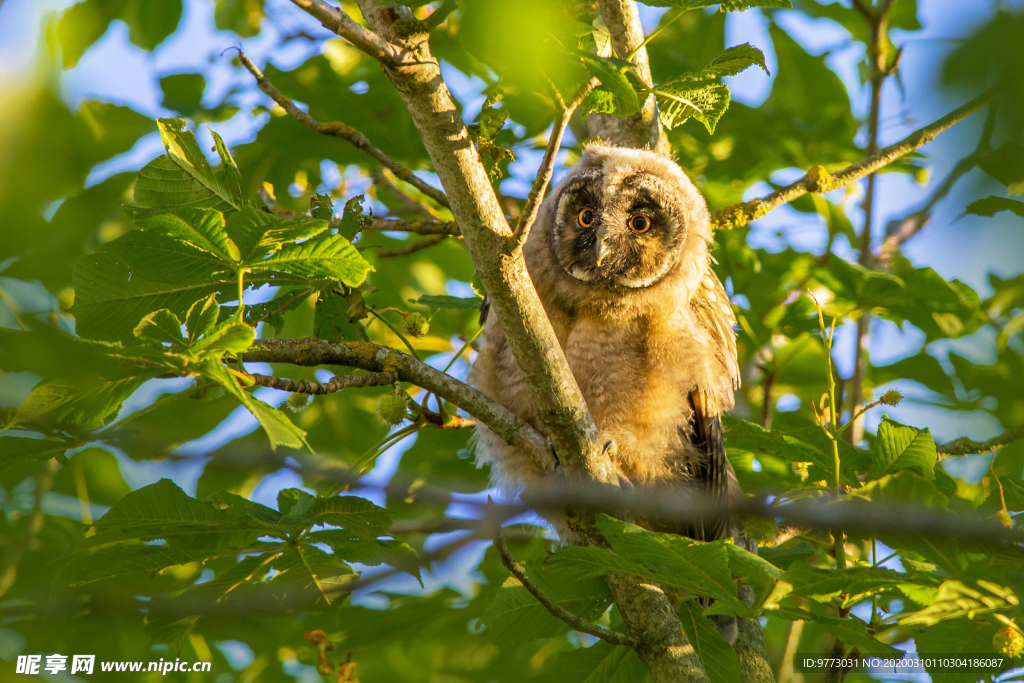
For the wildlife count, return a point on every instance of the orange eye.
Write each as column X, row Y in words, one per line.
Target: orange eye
column 585, row 217
column 639, row 224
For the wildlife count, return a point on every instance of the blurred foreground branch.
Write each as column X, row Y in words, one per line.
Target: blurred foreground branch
column 965, row 446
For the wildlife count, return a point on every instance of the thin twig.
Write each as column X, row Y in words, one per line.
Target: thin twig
column 337, row 383
column 343, row 25
column 577, row 622
column 340, row 130
column 417, row 227
column 412, row 248
column 543, row 179
column 818, row 179
column 965, row 446
column 438, row 16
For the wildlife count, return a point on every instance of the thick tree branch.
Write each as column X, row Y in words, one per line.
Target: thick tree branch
column 344, row 26
column 577, row 623
column 543, row 179
column 418, row 227
column 818, row 179
column 965, row 446
column 381, row 359
column 340, row 130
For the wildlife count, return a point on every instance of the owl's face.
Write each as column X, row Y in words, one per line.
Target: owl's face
column 622, row 224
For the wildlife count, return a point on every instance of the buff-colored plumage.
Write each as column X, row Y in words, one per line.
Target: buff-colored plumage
column 648, row 333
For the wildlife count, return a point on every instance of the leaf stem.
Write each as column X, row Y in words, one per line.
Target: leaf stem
column 397, row 332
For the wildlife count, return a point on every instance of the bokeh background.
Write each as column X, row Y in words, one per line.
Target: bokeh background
column 80, row 93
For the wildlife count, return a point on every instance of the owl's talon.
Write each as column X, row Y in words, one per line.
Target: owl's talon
column 609, row 446
column 554, row 454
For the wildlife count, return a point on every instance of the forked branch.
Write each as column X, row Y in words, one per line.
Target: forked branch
column 343, row 25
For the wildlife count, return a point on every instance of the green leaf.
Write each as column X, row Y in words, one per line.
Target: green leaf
column 201, row 228
column 123, row 560
column 898, row 447
column 726, row 5
column 183, row 150
column 601, row 663
column 733, row 60
column 160, row 326
column 990, row 206
column 856, row 583
column 313, row 571
column 14, row 449
column 684, row 98
column 718, row 657
column 201, row 318
column 700, row 568
column 244, row 17
column 329, row 257
column 758, row 573
column 368, row 551
column 149, row 23
column 515, row 617
column 257, row 234
column 356, row 516
column 280, row 430
column 957, row 599
column 183, row 92
column 163, row 510
column 851, row 630
column 139, row 273
column 450, row 302
column 79, row 408
column 952, row 639
column 232, row 176
column 1006, row 165
column 232, row 337
column 613, row 81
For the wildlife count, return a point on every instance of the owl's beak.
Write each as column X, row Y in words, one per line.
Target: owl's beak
column 602, row 247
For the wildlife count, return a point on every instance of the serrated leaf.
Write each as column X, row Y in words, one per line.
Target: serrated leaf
column 356, row 516
column 163, row 186
column 683, row 98
column 612, row 80
column 329, row 257
column 368, row 551
column 201, row 318
column 450, row 302
column 163, row 510
column 139, row 273
column 898, row 447
column 856, row 583
column 79, row 408
column 183, row 150
column 280, row 430
column 311, row 569
column 232, row 176
column 232, row 337
column 160, row 326
column 257, row 234
column 957, row 599
column 202, row 228
column 733, row 60
column 123, row 560
column 720, row 661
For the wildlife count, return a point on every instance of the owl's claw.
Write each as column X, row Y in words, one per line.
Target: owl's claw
column 554, row 454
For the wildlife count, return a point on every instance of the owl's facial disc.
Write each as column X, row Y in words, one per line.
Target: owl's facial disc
column 620, row 234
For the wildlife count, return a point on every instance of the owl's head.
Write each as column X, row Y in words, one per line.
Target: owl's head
column 626, row 219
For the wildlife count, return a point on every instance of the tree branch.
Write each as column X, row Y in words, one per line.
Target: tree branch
column 438, row 16
column 381, row 359
column 340, row 130
column 419, row 245
column 418, row 227
column 337, row 383
column 818, row 179
column 965, row 446
column 577, row 623
column 335, row 20
column 543, row 179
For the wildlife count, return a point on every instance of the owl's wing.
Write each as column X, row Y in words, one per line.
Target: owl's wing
column 712, row 470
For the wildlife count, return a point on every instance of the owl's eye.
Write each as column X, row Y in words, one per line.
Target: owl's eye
column 585, row 217
column 639, row 224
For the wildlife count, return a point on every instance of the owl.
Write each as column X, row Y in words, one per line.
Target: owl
column 619, row 257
